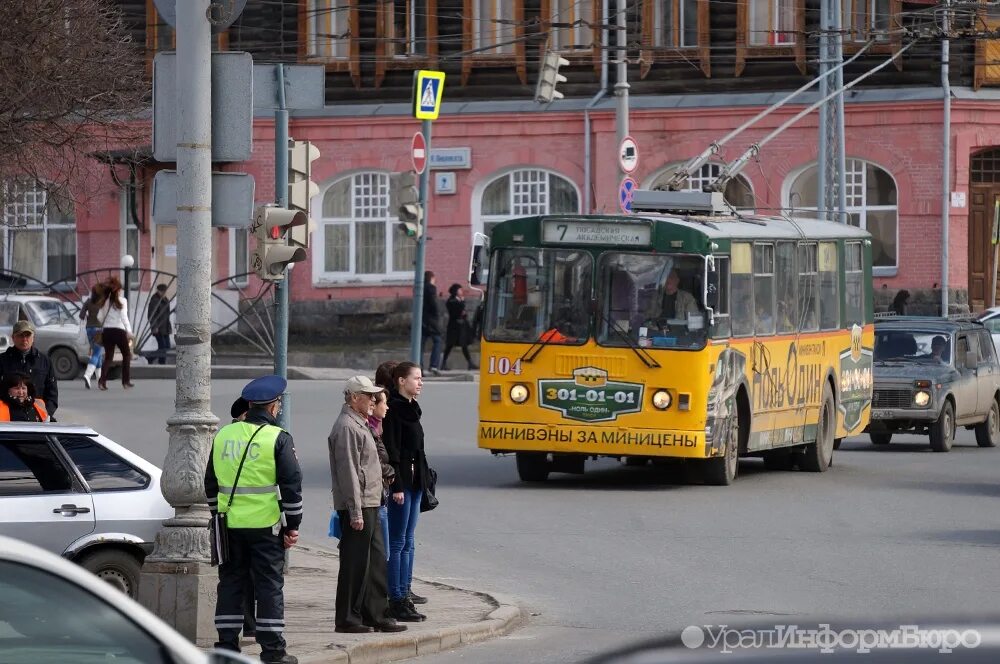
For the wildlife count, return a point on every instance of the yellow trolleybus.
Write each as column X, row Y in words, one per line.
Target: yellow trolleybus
column 694, row 335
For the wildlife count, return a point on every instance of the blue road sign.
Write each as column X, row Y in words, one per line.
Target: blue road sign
column 427, row 93
column 625, row 191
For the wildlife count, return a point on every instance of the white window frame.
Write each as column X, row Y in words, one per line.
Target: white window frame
column 500, row 33
column 480, row 220
column 662, row 6
column 125, row 228
column 328, row 17
column 323, row 277
column 234, row 269
column 773, row 24
column 580, row 36
column 856, row 185
column 15, row 217
column 706, row 175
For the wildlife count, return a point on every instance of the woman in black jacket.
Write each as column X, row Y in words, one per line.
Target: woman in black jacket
column 403, row 437
column 459, row 331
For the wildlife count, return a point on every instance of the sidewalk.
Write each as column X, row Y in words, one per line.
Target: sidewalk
column 167, row 371
column 454, row 617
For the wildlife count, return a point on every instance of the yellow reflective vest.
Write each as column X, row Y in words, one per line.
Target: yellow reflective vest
column 255, row 501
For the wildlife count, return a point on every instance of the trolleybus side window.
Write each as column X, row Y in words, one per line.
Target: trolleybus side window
column 763, row 288
column 785, row 281
column 741, row 281
column 853, row 283
column 829, row 302
column 538, row 290
column 808, row 288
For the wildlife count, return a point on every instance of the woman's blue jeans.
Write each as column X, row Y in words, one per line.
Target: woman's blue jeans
column 96, row 350
column 402, row 524
column 383, row 517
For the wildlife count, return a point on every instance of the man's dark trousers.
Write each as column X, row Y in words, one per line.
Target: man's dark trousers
column 261, row 551
column 362, row 591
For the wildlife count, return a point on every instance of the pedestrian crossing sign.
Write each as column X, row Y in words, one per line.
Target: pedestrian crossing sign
column 428, row 87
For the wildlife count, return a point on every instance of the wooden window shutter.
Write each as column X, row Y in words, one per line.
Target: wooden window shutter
column 896, row 38
column 383, row 14
column 520, row 51
column 800, row 36
column 704, row 39
column 648, row 18
column 742, row 32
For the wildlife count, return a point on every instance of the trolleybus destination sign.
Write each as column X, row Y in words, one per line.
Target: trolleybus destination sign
column 569, row 231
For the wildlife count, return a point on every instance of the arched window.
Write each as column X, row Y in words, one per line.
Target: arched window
column 39, row 231
column 357, row 235
column 525, row 193
column 871, row 204
column 738, row 192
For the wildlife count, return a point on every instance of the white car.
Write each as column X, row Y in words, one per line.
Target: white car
column 991, row 319
column 53, row 611
column 74, row 492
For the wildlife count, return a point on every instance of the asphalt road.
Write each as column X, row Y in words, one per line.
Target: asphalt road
column 620, row 554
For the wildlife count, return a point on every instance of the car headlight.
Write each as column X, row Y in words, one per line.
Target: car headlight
column 519, row 393
column 661, row 399
column 921, row 398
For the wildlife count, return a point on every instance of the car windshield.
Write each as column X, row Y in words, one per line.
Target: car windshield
column 654, row 300
column 49, row 312
column 8, row 313
column 538, row 293
column 912, row 345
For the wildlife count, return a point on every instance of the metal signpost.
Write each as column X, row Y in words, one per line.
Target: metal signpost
column 428, row 87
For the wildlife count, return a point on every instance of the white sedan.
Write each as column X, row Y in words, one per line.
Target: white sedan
column 991, row 319
column 52, row 611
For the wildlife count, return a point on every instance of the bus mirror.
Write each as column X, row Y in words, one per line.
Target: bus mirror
column 479, row 260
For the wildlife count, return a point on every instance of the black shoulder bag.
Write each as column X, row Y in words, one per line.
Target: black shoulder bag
column 428, row 500
column 218, row 531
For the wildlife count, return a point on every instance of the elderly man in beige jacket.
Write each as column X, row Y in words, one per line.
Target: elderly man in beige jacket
column 362, row 594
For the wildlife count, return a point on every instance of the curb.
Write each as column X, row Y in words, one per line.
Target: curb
column 501, row 620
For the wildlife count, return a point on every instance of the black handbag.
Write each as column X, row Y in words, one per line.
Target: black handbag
column 218, row 530
column 428, row 500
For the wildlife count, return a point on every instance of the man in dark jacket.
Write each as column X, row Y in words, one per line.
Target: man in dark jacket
column 158, row 314
column 431, row 323
column 25, row 359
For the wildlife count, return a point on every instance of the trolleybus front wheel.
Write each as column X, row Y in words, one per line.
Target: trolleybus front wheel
column 532, row 466
column 721, row 471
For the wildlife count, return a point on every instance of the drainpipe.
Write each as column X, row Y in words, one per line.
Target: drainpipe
column 945, row 158
column 593, row 102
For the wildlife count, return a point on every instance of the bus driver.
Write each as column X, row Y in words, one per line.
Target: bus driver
column 676, row 303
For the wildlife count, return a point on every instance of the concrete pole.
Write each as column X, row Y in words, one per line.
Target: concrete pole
column 824, row 116
column 416, row 328
column 838, row 82
column 282, row 288
column 945, row 157
column 621, row 85
column 178, row 583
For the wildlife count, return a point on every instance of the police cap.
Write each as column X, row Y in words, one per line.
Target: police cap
column 265, row 389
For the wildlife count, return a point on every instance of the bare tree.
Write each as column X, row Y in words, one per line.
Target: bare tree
column 71, row 84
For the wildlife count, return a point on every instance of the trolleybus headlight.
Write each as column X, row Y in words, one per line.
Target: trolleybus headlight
column 921, row 398
column 661, row 399
column 518, row 393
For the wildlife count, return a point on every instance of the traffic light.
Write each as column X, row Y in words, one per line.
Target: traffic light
column 301, row 188
column 548, row 77
column 406, row 195
column 272, row 254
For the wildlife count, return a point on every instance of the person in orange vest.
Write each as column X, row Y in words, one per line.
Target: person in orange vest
column 18, row 402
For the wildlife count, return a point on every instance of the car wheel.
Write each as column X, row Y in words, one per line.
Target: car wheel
column 943, row 429
column 532, row 466
column 881, row 438
column 818, row 456
column 721, row 471
column 118, row 568
column 988, row 433
column 65, row 364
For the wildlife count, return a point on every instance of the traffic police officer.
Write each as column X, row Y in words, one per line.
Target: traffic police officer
column 263, row 518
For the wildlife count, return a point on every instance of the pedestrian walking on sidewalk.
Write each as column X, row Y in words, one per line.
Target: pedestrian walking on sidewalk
column 459, row 331
column 158, row 314
column 253, row 476
column 357, row 491
column 90, row 315
column 403, row 436
column 431, row 324
column 116, row 332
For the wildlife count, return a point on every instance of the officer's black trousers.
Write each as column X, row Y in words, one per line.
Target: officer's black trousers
column 362, row 591
column 256, row 549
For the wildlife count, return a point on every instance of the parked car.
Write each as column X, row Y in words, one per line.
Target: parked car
column 931, row 374
column 990, row 318
column 74, row 492
column 52, row 611
column 58, row 332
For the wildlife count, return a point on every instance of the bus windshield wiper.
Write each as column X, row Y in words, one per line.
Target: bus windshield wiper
column 543, row 340
column 642, row 354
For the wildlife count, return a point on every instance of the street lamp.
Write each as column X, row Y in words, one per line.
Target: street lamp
column 127, row 262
